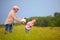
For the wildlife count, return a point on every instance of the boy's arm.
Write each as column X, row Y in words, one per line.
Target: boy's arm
column 31, row 24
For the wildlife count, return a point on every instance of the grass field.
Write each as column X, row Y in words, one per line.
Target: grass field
column 36, row 33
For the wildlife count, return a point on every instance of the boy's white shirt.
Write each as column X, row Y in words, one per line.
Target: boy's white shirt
column 11, row 17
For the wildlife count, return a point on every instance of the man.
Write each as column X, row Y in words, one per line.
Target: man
column 10, row 19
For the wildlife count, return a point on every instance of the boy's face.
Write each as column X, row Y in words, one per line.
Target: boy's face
column 33, row 20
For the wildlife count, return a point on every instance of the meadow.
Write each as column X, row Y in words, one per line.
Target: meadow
column 36, row 33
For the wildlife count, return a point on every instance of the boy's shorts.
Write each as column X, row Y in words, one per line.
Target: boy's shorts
column 8, row 27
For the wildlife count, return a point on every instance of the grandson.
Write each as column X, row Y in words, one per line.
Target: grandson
column 29, row 25
column 10, row 19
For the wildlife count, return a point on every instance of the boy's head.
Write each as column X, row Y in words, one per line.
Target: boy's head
column 33, row 20
column 15, row 8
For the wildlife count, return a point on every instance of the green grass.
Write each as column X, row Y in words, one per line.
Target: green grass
column 36, row 33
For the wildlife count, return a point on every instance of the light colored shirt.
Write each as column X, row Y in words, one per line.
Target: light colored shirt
column 11, row 17
column 29, row 24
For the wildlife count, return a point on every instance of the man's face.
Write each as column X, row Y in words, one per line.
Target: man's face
column 16, row 10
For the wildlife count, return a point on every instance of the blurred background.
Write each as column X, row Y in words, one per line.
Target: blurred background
column 46, row 12
column 29, row 8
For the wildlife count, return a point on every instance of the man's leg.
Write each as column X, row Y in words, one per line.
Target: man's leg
column 6, row 28
column 11, row 28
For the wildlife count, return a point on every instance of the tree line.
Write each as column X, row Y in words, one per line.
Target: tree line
column 53, row 21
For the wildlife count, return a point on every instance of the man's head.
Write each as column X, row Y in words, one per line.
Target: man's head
column 15, row 8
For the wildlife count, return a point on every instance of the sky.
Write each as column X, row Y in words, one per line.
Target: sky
column 29, row 8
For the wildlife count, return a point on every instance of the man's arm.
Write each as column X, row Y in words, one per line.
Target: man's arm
column 16, row 18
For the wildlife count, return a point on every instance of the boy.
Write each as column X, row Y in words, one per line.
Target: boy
column 10, row 19
column 29, row 25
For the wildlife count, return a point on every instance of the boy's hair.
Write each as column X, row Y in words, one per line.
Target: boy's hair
column 33, row 18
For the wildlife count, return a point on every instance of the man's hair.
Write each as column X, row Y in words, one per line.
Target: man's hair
column 15, row 7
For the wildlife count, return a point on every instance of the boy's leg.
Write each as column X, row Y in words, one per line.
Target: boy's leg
column 27, row 30
column 11, row 28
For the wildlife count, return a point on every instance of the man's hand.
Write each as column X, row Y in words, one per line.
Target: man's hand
column 22, row 22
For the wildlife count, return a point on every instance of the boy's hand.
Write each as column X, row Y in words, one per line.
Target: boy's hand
column 30, row 26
